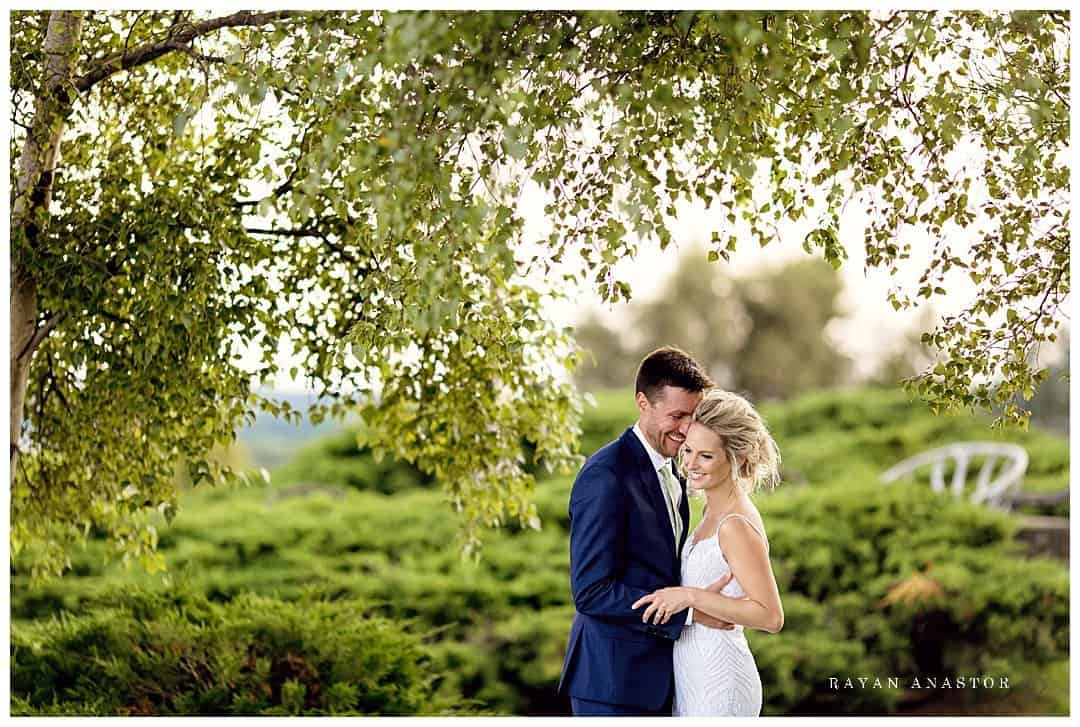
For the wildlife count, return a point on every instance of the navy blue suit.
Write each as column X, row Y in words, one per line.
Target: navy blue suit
column 621, row 548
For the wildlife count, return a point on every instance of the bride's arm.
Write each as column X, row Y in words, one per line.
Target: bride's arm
column 749, row 560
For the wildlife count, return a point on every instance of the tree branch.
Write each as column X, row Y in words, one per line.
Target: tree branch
column 55, row 385
column 308, row 232
column 202, row 58
column 39, row 334
column 131, row 31
column 152, row 51
column 288, row 183
column 302, row 232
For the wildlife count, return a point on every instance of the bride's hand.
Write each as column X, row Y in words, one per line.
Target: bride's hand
column 663, row 603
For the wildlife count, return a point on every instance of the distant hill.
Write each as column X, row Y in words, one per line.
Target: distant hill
column 272, row 440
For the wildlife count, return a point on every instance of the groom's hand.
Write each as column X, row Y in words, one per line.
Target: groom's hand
column 719, row 585
column 700, row 617
column 705, row 619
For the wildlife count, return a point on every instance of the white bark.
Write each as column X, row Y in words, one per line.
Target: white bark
column 33, row 193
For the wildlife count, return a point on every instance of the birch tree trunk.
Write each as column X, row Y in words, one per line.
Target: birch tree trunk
column 33, row 193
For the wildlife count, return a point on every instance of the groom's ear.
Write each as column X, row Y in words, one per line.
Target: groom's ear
column 642, row 401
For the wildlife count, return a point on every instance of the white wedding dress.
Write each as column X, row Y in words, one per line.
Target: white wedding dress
column 715, row 673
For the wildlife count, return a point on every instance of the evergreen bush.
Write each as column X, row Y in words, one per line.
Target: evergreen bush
column 177, row 653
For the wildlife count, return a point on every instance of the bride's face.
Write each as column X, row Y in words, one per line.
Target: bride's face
column 704, row 460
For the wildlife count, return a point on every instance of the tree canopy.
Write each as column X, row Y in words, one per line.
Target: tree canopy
column 187, row 183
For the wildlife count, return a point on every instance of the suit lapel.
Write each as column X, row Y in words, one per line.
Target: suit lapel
column 651, row 482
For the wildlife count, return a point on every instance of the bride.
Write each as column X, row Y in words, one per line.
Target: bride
column 727, row 454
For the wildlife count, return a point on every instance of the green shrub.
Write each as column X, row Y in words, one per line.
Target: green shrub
column 498, row 628
column 614, row 412
column 922, row 584
column 166, row 653
column 796, row 664
column 338, row 459
column 830, row 435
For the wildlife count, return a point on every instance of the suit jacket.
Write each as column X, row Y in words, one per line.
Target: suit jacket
column 621, row 548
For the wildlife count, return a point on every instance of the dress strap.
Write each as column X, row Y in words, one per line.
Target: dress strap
column 748, row 522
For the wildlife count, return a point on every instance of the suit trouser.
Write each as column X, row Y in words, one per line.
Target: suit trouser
column 589, row 708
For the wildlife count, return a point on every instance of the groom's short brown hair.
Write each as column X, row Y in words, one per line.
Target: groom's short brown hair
column 670, row 366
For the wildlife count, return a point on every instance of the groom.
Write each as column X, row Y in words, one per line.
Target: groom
column 628, row 521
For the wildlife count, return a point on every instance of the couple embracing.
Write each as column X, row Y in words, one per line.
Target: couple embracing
column 660, row 612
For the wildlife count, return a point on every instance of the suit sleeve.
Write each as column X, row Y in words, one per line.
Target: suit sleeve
column 598, row 542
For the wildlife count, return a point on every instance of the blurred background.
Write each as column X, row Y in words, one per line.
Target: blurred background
column 344, row 563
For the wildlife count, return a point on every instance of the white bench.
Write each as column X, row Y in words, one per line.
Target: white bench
column 992, row 488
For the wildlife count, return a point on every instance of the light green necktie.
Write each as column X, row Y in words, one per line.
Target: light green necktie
column 671, row 496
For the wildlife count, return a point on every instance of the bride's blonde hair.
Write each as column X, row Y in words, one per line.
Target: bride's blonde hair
column 750, row 449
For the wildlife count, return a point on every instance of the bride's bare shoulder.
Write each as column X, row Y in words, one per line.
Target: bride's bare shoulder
column 746, row 510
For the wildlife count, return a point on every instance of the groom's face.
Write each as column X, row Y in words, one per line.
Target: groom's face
column 664, row 421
